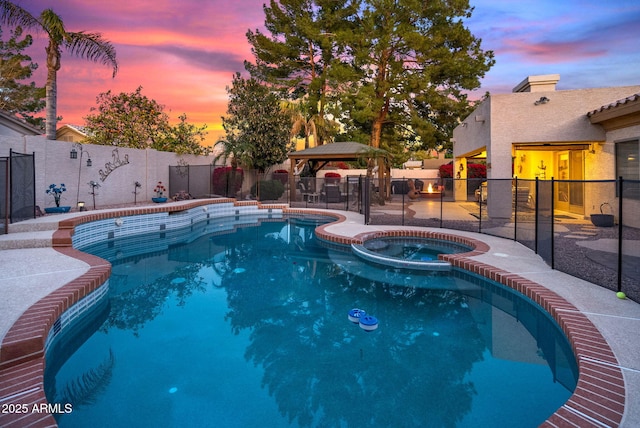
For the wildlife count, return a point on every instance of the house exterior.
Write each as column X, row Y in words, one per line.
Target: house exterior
column 540, row 132
column 11, row 126
column 71, row 133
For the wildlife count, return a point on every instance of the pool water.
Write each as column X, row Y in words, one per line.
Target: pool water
column 413, row 248
column 251, row 329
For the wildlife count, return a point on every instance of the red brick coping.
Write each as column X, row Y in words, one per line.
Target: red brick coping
column 598, row 400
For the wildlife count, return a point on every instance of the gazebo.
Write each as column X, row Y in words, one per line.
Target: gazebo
column 318, row 157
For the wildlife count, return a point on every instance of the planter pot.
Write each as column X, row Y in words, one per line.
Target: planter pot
column 159, row 200
column 602, row 220
column 57, row 210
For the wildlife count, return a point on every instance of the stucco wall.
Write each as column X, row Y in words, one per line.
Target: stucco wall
column 115, row 171
column 515, row 118
column 607, row 150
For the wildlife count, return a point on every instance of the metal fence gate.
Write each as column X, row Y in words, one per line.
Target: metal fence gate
column 17, row 188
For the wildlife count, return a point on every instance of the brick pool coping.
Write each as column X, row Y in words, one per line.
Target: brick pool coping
column 598, row 400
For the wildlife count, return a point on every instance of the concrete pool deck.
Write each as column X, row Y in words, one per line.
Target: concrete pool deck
column 31, row 269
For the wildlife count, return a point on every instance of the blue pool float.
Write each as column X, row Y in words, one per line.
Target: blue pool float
column 368, row 323
column 355, row 314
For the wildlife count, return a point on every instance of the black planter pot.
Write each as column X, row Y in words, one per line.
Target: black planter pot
column 57, row 210
column 602, row 220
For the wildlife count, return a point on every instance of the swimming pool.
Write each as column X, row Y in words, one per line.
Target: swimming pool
column 228, row 329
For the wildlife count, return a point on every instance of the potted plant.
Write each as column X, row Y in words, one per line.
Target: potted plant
column 56, row 192
column 602, row 219
column 160, row 191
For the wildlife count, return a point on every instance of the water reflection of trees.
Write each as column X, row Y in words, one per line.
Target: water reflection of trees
column 132, row 309
column 323, row 370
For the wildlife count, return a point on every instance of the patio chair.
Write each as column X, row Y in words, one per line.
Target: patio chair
column 332, row 194
column 307, row 195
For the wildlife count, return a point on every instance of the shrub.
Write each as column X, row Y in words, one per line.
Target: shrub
column 332, row 177
column 282, row 175
column 270, row 190
column 225, row 183
column 446, row 171
column 476, row 170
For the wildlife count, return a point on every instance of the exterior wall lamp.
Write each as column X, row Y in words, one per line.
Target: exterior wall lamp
column 542, row 100
column 74, row 155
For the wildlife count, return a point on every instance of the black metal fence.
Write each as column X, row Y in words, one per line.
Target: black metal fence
column 17, row 189
column 588, row 229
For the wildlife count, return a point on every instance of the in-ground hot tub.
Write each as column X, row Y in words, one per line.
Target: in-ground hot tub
column 409, row 252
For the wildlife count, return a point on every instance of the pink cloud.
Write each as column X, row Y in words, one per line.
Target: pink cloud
column 550, row 51
column 183, row 53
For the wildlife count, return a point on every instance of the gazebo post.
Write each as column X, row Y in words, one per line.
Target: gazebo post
column 292, row 181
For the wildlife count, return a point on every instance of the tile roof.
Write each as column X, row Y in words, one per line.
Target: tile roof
column 631, row 99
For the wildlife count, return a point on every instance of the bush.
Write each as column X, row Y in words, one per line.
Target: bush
column 332, row 178
column 225, row 183
column 446, row 171
column 474, row 170
column 282, row 175
column 270, row 190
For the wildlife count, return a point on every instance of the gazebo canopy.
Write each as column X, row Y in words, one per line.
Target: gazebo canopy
column 319, row 156
column 349, row 150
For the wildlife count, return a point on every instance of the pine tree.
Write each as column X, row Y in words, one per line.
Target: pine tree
column 390, row 71
column 21, row 99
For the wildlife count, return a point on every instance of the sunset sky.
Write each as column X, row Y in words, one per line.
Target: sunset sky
column 184, row 53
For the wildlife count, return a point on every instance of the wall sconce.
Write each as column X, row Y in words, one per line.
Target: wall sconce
column 73, row 154
column 81, row 206
column 461, row 168
column 542, row 100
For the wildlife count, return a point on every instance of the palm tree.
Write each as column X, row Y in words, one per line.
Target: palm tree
column 300, row 123
column 85, row 45
column 316, row 126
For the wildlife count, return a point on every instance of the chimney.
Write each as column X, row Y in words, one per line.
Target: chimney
column 546, row 82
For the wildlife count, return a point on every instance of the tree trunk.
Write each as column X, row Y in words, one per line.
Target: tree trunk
column 51, row 111
column 376, row 132
column 376, row 136
column 53, row 65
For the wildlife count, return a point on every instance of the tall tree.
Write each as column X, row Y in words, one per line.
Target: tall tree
column 304, row 53
column 257, row 128
column 127, row 120
column 139, row 122
column 416, row 61
column 185, row 138
column 21, row 99
column 395, row 70
column 91, row 46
